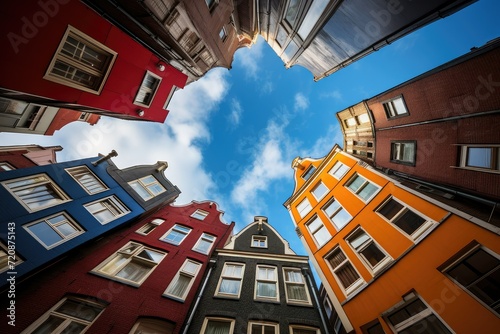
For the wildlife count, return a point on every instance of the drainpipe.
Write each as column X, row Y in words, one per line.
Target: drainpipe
column 211, row 264
column 306, row 273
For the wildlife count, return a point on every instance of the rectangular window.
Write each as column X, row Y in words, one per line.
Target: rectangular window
column 147, row 90
column 371, row 254
column 337, row 214
column 404, row 152
column 230, row 280
column 294, row 329
column 200, row 214
column 373, row 327
column 36, row 192
column 223, row 34
column 362, row 187
column 81, row 62
column 395, row 107
column 54, row 230
column 308, row 173
column 146, row 325
column 255, row 327
column 318, row 231
column 320, row 191
column 344, row 271
column 169, row 98
column 150, row 226
column 478, row 272
column 304, row 208
column 70, row 315
column 204, row 244
column 84, row 176
column 147, row 187
column 176, row 234
column 363, row 118
column 350, row 122
column 266, row 285
column 131, row 264
column 480, row 157
column 106, row 210
column 291, row 12
column 217, row 326
column 5, row 166
column 404, row 218
column 295, row 287
column 338, row 170
column 416, row 317
column 259, row 241
column 8, row 258
column 211, row 3
column 182, row 282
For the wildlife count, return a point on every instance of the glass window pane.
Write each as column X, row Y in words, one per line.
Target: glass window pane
column 367, row 191
column 296, row 292
column 347, row 275
column 373, row 254
column 409, row 222
column 266, row 289
column 322, row 236
column 79, row 310
column 341, row 219
column 356, row 183
column 400, row 106
column 45, row 233
column 313, row 14
column 218, row 327
column 66, row 229
column 320, row 190
column 180, row 286
column 49, row 325
column 479, row 157
column 151, row 255
column 359, row 239
column 133, row 271
column 229, row 286
column 390, row 209
column 291, row 11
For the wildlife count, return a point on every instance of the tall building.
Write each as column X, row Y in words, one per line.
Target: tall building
column 391, row 258
column 83, row 63
column 24, row 156
column 324, row 36
column 257, row 285
column 139, row 278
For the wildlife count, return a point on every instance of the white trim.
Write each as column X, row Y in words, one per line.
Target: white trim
column 275, row 326
column 219, row 319
column 116, row 204
column 205, row 237
column 258, row 238
column 381, row 264
column 351, row 289
column 303, row 284
column 154, row 222
column 266, row 281
column 199, row 214
column 153, row 90
column 234, row 278
column 365, row 183
column 71, row 171
column 162, row 238
column 182, row 272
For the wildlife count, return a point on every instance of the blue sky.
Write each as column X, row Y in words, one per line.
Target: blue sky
column 231, row 136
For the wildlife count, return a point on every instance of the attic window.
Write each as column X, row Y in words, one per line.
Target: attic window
column 199, row 214
column 259, row 241
column 307, row 174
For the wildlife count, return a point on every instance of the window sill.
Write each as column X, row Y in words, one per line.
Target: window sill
column 477, row 169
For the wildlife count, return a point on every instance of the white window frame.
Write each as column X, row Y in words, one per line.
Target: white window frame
column 331, row 216
column 5, row 166
column 80, row 65
column 354, row 285
column 109, row 202
column 257, row 241
column 302, row 284
column 267, row 281
column 292, row 329
column 391, row 107
column 397, row 152
column 274, row 326
column 54, row 226
column 217, row 319
column 87, row 179
column 199, row 214
column 183, row 272
column 9, row 258
column 365, row 184
column 160, row 326
column 143, row 90
column 176, row 230
column 320, row 187
column 420, row 232
column 68, row 318
column 320, row 229
column 224, row 276
column 150, row 226
column 205, row 238
column 494, row 157
column 43, row 180
column 338, row 170
column 304, row 207
column 145, row 186
column 358, row 250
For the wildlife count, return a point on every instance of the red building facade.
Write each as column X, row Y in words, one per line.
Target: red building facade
column 82, row 62
column 142, row 277
column 24, row 156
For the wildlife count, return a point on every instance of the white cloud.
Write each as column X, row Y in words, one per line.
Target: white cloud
column 250, row 58
column 236, row 111
column 301, row 102
column 334, row 94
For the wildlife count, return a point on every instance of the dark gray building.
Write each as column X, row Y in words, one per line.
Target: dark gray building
column 258, row 285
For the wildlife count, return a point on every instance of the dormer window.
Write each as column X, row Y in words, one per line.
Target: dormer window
column 199, row 214
column 308, row 173
column 147, row 187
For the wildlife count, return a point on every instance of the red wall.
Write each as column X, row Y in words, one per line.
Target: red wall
column 34, row 34
column 16, row 159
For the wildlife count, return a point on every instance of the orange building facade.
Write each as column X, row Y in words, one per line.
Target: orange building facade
column 392, row 259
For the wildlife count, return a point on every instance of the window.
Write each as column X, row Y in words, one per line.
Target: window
column 223, row 34
column 36, row 192
column 350, row 122
column 230, row 281
column 295, row 287
column 200, row 214
column 262, row 328
column 373, row 327
column 339, row 170
column 106, row 210
column 182, row 282
column 362, row 187
column 217, row 326
column 81, row 62
column 5, row 166
column 318, row 231
column 291, row 11
column 304, row 207
column 259, row 241
column 176, row 234
column 363, row 118
column 147, row 90
column 415, row 317
column 169, row 98
column 320, row 191
column 368, row 250
column 486, row 158
column 395, row 107
column 71, row 315
column 147, row 187
column 131, row 264
column 404, row 152
column 337, row 214
column 152, row 325
column 266, row 287
column 54, row 230
column 303, row 330
column 211, row 3
column 87, row 179
column 204, row 244
column 148, row 227
column 308, row 173
column 344, row 271
column 310, row 20
column 404, row 218
column 8, row 258
column 478, row 271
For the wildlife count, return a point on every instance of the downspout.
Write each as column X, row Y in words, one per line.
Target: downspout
column 306, row 273
column 212, row 264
